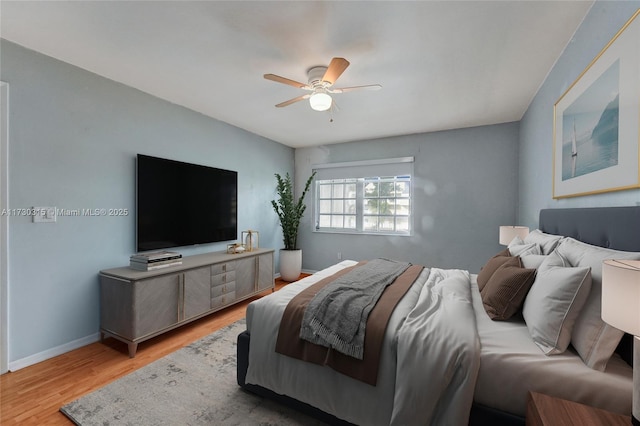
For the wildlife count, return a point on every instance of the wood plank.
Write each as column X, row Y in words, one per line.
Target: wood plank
column 543, row 410
column 33, row 395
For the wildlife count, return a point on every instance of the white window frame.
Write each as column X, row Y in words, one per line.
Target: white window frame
column 356, row 172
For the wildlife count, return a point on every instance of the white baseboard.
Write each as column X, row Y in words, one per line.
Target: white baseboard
column 53, row 352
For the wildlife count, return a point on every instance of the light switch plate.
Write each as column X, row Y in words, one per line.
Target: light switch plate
column 44, row 214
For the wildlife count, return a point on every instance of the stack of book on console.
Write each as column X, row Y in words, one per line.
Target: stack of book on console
column 156, row 260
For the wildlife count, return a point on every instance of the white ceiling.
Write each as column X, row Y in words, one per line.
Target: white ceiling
column 442, row 64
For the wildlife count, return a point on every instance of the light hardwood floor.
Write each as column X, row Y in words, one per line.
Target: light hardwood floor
column 33, row 395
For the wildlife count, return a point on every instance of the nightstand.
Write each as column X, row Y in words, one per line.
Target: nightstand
column 545, row 410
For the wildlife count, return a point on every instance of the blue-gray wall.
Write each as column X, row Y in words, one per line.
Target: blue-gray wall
column 72, row 144
column 465, row 187
column 600, row 25
column 74, row 135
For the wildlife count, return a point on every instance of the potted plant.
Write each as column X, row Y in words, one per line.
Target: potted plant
column 290, row 212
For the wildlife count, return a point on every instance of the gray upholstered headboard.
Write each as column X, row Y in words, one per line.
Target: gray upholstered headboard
column 612, row 227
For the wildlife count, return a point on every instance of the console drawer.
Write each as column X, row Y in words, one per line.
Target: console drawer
column 221, row 268
column 223, row 300
column 219, row 290
column 226, row 277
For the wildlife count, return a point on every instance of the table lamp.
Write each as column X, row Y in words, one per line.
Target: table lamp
column 621, row 309
column 508, row 233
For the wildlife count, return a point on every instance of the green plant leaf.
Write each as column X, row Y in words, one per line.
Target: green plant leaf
column 289, row 210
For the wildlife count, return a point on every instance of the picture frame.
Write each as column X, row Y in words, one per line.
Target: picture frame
column 596, row 126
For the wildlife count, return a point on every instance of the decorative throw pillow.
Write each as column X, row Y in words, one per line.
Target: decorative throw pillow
column 594, row 340
column 554, row 302
column 547, row 242
column 524, row 249
column 517, row 247
column 532, row 261
column 517, row 241
column 503, row 294
column 490, row 267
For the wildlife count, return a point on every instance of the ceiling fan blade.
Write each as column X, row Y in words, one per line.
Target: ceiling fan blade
column 294, row 100
column 336, row 68
column 351, row 89
column 288, row 81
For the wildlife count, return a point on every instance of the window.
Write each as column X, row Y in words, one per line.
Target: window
column 386, row 204
column 353, row 198
column 337, row 200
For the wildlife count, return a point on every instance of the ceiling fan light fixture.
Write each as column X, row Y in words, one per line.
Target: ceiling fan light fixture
column 320, row 101
column 320, row 85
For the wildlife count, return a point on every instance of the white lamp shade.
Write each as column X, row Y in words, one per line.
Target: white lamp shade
column 508, row 233
column 621, row 294
column 320, row 101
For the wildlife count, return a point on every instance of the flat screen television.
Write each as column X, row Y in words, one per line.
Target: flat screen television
column 182, row 204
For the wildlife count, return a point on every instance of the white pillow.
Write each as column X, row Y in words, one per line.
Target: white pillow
column 547, row 242
column 517, row 247
column 554, row 302
column 532, row 261
column 594, row 339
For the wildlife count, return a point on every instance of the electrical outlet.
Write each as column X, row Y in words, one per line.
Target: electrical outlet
column 44, row 214
column 339, row 255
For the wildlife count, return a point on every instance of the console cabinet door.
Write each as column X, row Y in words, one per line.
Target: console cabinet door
column 197, row 292
column 265, row 271
column 245, row 276
column 156, row 304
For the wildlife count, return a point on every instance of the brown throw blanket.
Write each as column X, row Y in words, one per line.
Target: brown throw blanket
column 289, row 342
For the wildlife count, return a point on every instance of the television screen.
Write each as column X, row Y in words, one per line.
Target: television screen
column 183, row 204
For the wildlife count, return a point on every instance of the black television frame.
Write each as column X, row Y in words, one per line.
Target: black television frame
column 174, row 208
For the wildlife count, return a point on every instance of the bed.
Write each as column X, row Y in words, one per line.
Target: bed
column 496, row 363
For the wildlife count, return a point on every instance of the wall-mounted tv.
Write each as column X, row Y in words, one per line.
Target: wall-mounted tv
column 182, row 204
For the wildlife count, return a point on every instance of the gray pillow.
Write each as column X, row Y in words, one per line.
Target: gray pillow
column 532, row 261
column 524, row 249
column 554, row 302
column 594, row 339
column 547, row 242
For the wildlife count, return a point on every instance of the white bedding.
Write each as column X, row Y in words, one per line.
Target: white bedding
column 439, row 327
column 511, row 364
column 502, row 362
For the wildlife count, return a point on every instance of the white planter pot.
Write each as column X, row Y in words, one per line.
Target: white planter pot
column 290, row 264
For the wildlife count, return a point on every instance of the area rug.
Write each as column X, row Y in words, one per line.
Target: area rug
column 195, row 385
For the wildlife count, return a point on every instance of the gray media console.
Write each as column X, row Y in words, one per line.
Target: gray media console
column 138, row 305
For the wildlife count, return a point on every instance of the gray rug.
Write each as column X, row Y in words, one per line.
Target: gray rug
column 195, row 385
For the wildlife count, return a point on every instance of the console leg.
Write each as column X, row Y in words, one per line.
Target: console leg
column 133, row 347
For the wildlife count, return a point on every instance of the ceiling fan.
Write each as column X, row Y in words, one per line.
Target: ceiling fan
column 320, row 85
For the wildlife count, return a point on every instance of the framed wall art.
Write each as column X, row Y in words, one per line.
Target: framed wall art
column 596, row 131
